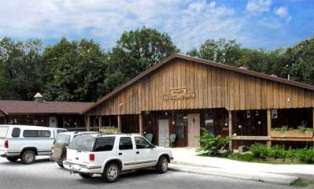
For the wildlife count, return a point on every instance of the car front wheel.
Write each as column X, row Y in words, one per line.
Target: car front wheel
column 112, row 172
column 162, row 165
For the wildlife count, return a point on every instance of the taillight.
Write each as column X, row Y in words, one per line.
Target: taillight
column 6, row 144
column 91, row 157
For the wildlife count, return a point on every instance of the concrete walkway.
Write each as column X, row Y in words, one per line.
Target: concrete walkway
column 186, row 159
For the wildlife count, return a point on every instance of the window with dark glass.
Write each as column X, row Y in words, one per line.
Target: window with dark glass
column 16, row 132
column 104, row 144
column 30, row 133
column 141, row 143
column 36, row 133
column 44, row 133
column 125, row 143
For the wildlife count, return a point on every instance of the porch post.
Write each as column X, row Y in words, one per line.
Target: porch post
column 268, row 143
column 230, row 128
column 87, row 122
column 119, row 124
column 99, row 122
column 140, row 121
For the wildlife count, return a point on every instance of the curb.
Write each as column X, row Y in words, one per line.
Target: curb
column 252, row 176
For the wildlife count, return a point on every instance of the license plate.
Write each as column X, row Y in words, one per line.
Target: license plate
column 75, row 167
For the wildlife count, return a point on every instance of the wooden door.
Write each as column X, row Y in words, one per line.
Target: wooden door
column 163, row 132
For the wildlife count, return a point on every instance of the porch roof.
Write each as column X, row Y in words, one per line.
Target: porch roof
column 15, row 107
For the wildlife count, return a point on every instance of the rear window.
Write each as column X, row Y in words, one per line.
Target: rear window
column 63, row 139
column 104, row 144
column 37, row 133
column 16, row 132
column 3, row 131
column 82, row 143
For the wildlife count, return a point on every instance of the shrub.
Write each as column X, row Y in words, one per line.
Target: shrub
column 305, row 155
column 242, row 156
column 259, row 151
column 213, row 146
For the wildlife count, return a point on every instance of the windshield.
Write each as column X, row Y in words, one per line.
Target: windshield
column 3, row 131
column 62, row 139
column 82, row 143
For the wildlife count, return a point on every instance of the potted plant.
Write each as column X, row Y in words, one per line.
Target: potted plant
column 285, row 132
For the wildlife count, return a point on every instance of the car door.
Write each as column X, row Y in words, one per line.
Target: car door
column 126, row 152
column 145, row 154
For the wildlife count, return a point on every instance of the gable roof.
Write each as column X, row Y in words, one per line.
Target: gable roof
column 205, row 62
column 9, row 107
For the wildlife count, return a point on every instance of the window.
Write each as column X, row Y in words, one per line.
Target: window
column 30, row 133
column 104, row 144
column 83, row 143
column 141, row 143
column 44, row 133
column 61, row 131
column 125, row 143
column 36, row 133
column 63, row 139
column 3, row 132
column 16, row 132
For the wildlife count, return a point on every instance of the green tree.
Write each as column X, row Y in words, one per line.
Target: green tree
column 20, row 69
column 230, row 52
column 299, row 61
column 136, row 51
column 77, row 71
column 222, row 51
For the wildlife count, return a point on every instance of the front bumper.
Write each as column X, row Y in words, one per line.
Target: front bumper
column 79, row 168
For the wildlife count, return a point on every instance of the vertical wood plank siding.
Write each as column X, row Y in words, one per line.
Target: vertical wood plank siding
column 212, row 88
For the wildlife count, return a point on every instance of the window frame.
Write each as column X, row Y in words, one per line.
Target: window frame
column 19, row 132
column 37, row 135
column 103, row 138
column 132, row 145
column 144, row 139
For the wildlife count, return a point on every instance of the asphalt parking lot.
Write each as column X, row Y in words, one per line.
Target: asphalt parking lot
column 45, row 174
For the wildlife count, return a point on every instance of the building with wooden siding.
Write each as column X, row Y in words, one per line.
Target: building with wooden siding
column 172, row 101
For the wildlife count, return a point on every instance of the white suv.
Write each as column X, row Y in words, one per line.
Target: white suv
column 109, row 155
column 26, row 142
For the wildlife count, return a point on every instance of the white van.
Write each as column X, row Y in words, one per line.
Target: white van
column 26, row 142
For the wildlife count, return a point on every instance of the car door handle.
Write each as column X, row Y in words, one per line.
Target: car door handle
column 120, row 153
column 137, row 152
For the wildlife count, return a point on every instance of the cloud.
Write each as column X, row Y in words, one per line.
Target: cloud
column 258, row 6
column 188, row 22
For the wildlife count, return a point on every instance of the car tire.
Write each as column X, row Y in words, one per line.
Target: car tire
column 28, row 156
column 112, row 172
column 12, row 159
column 162, row 165
column 86, row 175
column 60, row 164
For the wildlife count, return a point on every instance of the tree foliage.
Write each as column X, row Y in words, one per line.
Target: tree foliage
column 137, row 50
column 20, row 69
column 77, row 71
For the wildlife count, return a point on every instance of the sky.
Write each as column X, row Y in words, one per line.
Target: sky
column 266, row 24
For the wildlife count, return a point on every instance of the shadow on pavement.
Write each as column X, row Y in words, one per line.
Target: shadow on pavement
column 139, row 174
column 19, row 163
